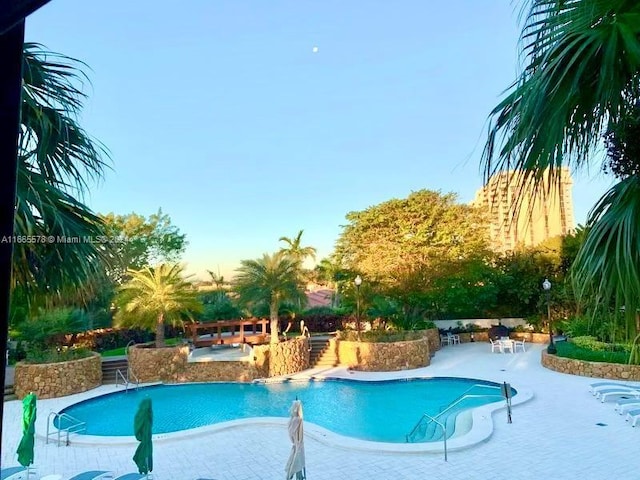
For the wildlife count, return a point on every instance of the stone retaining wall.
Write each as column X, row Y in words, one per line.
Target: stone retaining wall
column 171, row 365
column 433, row 337
column 384, row 357
column 530, row 337
column 613, row 371
column 51, row 380
column 283, row 358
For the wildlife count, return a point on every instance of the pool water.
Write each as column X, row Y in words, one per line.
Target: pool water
column 382, row 411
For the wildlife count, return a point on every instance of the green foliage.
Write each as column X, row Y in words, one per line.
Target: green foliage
column 319, row 311
column 571, row 350
column 295, row 250
column 55, row 355
column 580, row 84
column 57, row 160
column 381, row 336
column 590, row 343
column 39, row 331
column 403, row 242
column 140, row 242
column 269, row 282
column 155, row 296
column 218, row 306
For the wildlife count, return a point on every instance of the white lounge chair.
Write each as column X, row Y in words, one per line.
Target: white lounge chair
column 14, row 473
column 93, row 475
column 626, row 404
column 596, row 387
column 633, row 416
column 604, row 395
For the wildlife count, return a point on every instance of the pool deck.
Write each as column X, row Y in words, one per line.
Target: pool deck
column 554, row 435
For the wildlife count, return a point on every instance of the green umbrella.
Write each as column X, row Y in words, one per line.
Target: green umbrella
column 142, row 428
column 25, row 448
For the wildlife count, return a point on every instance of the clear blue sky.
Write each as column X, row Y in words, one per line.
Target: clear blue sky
column 220, row 113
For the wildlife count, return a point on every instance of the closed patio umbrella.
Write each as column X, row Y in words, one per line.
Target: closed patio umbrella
column 296, row 464
column 25, row 448
column 142, row 428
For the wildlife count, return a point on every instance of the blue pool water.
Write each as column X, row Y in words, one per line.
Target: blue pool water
column 383, row 411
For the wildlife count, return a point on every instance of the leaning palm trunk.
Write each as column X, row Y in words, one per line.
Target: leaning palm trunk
column 273, row 313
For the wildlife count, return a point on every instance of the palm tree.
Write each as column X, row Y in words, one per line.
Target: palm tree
column 295, row 250
column 580, row 84
column 269, row 280
column 155, row 296
column 56, row 159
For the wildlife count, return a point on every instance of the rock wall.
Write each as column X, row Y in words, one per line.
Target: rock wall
column 51, row 380
column 171, row 365
column 614, row 371
column 165, row 364
column 433, row 337
column 384, row 357
column 283, row 358
column 530, row 337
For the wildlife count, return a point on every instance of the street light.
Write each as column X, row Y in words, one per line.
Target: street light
column 358, row 281
column 546, row 285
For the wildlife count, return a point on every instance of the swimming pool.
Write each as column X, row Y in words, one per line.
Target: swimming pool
column 379, row 411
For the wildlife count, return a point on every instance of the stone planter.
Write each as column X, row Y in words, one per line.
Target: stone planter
column 52, row 380
column 613, row 371
column 433, row 337
column 530, row 337
column 171, row 365
column 384, row 357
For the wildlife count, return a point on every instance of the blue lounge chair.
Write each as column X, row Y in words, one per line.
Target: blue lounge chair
column 93, row 475
column 133, row 476
column 596, row 387
column 14, row 473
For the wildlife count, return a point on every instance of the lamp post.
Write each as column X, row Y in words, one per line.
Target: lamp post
column 546, row 285
column 358, row 281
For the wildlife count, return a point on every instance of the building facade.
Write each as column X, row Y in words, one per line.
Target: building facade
column 520, row 215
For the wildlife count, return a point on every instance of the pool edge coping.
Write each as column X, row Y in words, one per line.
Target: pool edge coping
column 481, row 429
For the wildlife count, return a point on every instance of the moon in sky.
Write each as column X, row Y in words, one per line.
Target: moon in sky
column 315, row 50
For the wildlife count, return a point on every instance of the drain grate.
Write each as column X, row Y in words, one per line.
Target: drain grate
column 600, row 424
column 502, row 370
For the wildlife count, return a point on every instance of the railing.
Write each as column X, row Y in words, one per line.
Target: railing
column 126, row 379
column 74, row 427
column 425, row 419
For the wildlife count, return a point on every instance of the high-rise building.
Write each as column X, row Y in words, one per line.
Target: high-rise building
column 521, row 216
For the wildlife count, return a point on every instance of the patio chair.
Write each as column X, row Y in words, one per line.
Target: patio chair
column 13, row 473
column 633, row 416
column 444, row 340
column 596, row 387
column 604, row 395
column 626, row 404
column 496, row 346
column 519, row 344
column 453, row 338
column 507, row 344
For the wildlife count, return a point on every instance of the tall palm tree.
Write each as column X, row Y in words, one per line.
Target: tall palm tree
column 295, row 250
column 269, row 280
column 56, row 161
column 155, row 296
column 580, row 83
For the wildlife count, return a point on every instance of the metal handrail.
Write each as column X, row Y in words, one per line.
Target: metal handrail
column 471, row 388
column 77, row 426
column 126, row 381
column 449, row 407
column 433, row 420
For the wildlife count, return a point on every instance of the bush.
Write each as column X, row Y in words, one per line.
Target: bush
column 55, row 355
column 571, row 350
column 381, row 336
column 590, row 343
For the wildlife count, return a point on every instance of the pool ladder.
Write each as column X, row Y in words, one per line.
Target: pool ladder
column 426, row 420
column 126, row 379
column 75, row 426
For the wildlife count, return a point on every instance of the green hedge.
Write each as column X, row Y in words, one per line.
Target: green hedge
column 614, row 354
column 381, row 336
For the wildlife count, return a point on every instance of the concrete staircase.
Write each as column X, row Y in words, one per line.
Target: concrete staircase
column 320, row 355
column 9, row 393
column 110, row 366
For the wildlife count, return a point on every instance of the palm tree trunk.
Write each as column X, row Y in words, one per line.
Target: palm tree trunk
column 273, row 313
column 160, row 331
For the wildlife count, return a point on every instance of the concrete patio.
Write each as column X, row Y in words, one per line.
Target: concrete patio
column 555, row 435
